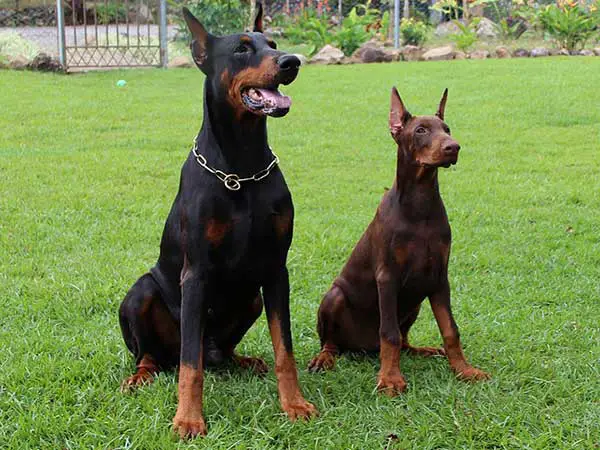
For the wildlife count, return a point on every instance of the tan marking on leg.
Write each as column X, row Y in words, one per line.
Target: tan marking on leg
column 144, row 374
column 325, row 360
column 188, row 421
column 390, row 381
column 454, row 352
column 292, row 401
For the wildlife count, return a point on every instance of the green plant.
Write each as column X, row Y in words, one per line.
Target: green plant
column 111, row 12
column 570, row 24
column 413, row 32
column 467, row 36
column 220, row 17
column 311, row 29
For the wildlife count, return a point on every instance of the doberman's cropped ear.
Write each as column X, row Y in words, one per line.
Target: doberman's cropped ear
column 442, row 107
column 399, row 115
column 200, row 39
column 258, row 21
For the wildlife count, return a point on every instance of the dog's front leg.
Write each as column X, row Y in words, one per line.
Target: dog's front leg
column 440, row 304
column 390, row 380
column 276, row 295
column 188, row 421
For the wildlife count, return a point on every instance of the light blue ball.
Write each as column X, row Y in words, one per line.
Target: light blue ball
column 121, row 83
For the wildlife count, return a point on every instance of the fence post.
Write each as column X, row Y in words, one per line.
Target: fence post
column 164, row 54
column 60, row 24
column 397, row 23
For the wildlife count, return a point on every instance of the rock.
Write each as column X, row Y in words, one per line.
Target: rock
column 597, row 51
column 563, row 52
column 460, row 55
column 479, row 54
column 45, row 63
column 487, row 29
column 328, row 55
column 411, row 53
column 350, row 60
column 394, row 54
column 180, row 62
column 586, row 52
column 539, row 52
column 446, row 28
column 369, row 53
column 502, row 52
column 521, row 53
column 439, row 54
column 18, row 62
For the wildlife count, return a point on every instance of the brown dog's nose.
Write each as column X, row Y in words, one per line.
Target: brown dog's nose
column 288, row 62
column 451, row 148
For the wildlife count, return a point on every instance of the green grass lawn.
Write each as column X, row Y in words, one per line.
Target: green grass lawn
column 88, row 172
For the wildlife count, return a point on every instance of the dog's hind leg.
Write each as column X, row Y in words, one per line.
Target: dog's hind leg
column 328, row 323
column 149, row 331
column 421, row 351
column 237, row 330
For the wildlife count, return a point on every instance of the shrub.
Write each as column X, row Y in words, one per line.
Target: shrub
column 569, row 23
column 218, row 16
column 357, row 29
column 467, row 36
column 413, row 32
column 111, row 12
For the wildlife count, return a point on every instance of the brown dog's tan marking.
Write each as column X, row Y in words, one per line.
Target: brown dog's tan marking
column 292, row 401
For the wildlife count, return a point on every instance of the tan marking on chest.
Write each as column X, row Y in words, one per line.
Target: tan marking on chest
column 283, row 223
column 215, row 231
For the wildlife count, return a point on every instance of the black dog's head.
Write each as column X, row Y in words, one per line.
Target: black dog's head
column 425, row 140
column 245, row 69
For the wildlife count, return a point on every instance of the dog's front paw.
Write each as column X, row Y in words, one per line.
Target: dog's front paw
column 391, row 385
column 189, row 428
column 424, row 351
column 299, row 409
column 323, row 361
column 136, row 380
column 256, row 365
column 471, row 373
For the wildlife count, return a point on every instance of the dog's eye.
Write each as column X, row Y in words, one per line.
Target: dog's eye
column 243, row 49
column 447, row 130
column 421, row 130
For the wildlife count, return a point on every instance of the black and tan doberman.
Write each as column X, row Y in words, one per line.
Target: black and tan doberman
column 227, row 235
column 401, row 259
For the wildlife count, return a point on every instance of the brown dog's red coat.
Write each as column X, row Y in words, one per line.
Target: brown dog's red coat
column 401, row 258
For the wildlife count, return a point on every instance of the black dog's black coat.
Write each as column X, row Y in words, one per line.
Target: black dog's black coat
column 220, row 247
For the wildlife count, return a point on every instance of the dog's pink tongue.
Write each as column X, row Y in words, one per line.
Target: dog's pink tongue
column 275, row 98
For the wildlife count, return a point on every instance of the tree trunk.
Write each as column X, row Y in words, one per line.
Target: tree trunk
column 406, row 12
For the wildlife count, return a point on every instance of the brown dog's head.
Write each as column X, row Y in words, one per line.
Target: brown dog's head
column 245, row 70
column 425, row 140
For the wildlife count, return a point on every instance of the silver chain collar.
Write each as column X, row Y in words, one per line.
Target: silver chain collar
column 232, row 181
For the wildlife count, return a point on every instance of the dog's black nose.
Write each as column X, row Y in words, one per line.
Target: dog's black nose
column 288, row 62
column 451, row 148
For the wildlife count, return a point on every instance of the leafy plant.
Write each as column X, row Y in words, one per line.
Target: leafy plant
column 220, row 17
column 357, row 28
column 413, row 32
column 569, row 23
column 310, row 28
column 467, row 36
column 111, row 12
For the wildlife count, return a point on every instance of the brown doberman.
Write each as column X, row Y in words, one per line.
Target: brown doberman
column 401, row 258
column 227, row 235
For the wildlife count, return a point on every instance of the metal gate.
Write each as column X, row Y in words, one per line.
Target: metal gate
column 112, row 33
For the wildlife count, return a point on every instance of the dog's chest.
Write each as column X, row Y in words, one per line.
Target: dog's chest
column 420, row 256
